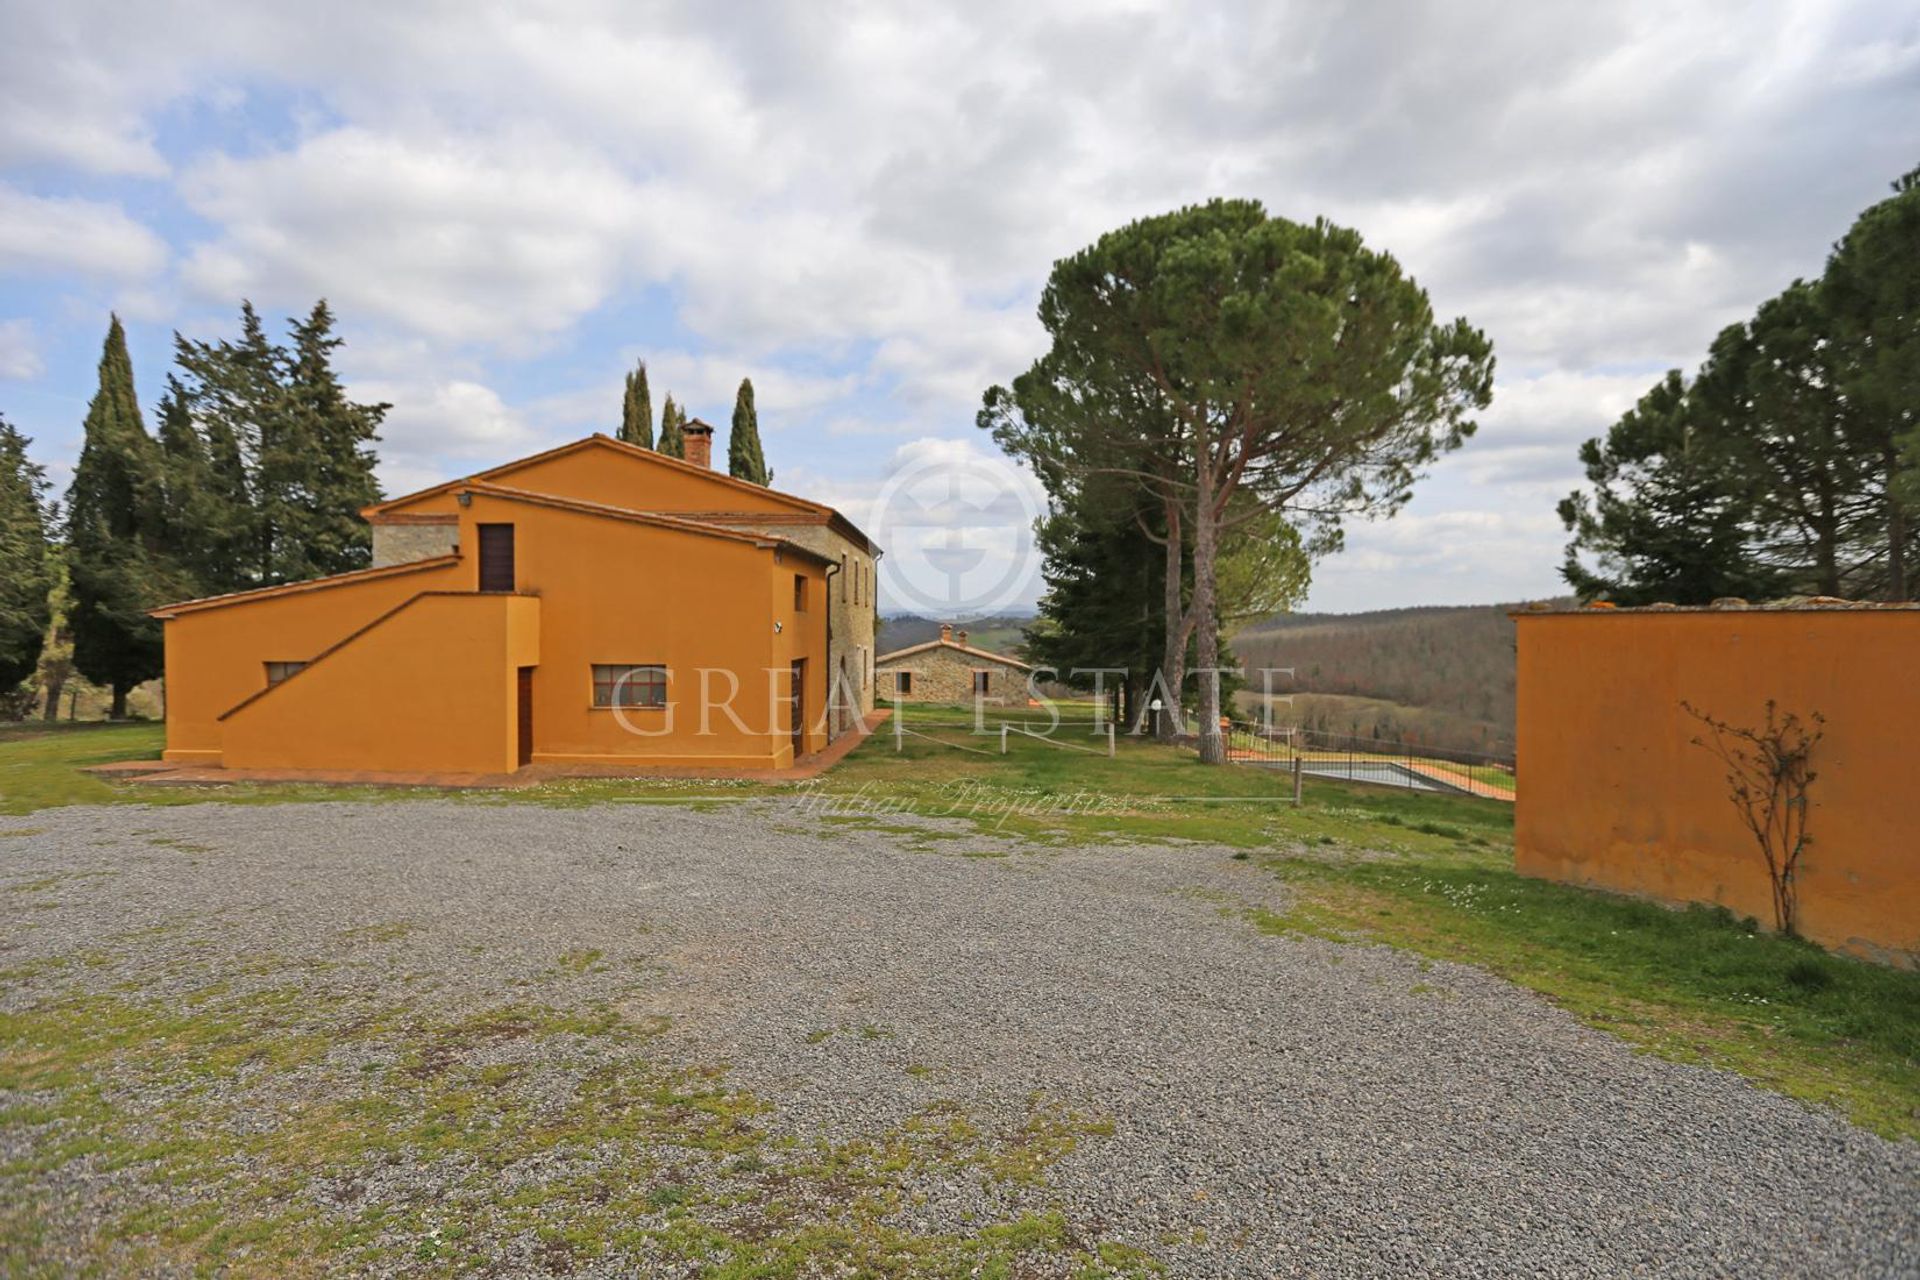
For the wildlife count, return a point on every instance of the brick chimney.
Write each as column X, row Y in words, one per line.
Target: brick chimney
column 946, row 632
column 699, row 443
column 960, row 636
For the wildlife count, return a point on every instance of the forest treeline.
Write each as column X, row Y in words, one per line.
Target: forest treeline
column 255, row 475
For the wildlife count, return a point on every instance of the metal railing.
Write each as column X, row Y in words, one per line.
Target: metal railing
column 1392, row 764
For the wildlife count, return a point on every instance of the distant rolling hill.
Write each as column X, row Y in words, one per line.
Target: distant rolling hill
column 998, row 634
column 1440, row 676
column 1437, row 676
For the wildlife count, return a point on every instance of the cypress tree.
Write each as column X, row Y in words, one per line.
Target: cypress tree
column 673, row 439
column 112, row 557
column 26, row 565
column 745, row 459
column 636, row 414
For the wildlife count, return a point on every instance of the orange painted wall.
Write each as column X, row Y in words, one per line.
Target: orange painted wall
column 433, row 682
column 216, row 657
column 618, row 592
column 1615, row 794
column 606, row 591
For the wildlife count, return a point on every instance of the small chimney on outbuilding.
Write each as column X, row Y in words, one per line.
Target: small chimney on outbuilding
column 960, row 636
column 946, row 632
column 699, row 443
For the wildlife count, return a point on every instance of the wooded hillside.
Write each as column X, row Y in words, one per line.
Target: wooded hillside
column 1440, row 676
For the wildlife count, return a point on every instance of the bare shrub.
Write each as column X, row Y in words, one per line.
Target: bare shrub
column 1769, row 771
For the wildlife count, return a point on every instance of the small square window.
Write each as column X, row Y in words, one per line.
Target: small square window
column 979, row 682
column 903, row 682
column 278, row 671
column 627, row 685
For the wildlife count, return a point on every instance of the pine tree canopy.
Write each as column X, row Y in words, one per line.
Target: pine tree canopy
column 1791, row 463
column 1668, row 519
column 289, row 456
column 1872, row 292
column 745, row 459
column 26, row 560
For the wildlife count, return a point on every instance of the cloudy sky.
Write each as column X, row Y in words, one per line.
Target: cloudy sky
column 857, row 204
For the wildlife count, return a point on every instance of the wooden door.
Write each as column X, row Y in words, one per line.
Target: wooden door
column 496, row 557
column 797, row 701
column 526, row 715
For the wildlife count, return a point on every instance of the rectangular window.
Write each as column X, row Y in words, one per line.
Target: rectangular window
column 799, row 593
column 843, row 578
column 903, row 682
column 979, row 682
column 623, row 685
column 278, row 671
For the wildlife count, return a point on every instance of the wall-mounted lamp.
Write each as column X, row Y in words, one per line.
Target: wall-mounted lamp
column 778, row 628
column 466, row 498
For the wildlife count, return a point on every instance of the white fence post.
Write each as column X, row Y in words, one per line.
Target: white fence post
column 1003, row 739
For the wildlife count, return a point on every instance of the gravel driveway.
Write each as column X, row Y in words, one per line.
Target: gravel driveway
column 898, row 1048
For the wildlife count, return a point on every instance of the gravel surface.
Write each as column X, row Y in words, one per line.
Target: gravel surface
column 1146, row 1063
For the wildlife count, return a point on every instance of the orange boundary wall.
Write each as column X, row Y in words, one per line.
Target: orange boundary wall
column 1616, row 794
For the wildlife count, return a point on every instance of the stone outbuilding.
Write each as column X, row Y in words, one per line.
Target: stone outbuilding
column 951, row 670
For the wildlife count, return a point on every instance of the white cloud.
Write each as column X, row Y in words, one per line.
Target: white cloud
column 49, row 234
column 449, row 240
column 858, row 209
column 956, row 522
column 439, row 430
column 19, row 351
column 1443, row 557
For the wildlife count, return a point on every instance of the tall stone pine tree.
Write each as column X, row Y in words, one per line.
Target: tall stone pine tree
column 232, row 391
column 1670, row 515
column 288, row 456
column 745, row 459
column 636, row 412
column 1105, row 602
column 26, row 564
column 315, row 466
column 673, row 435
column 1872, row 291
column 1772, row 391
column 113, row 556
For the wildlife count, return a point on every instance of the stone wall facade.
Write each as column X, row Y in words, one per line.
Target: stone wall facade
column 851, row 609
column 944, row 673
column 404, row 541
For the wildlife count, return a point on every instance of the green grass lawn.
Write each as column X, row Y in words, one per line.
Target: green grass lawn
column 1427, row 873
